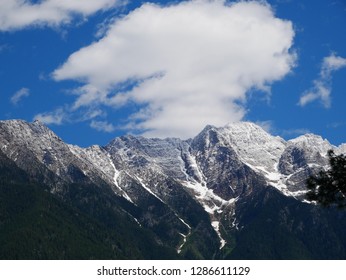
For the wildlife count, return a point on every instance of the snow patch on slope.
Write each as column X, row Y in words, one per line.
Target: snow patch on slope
column 115, row 181
column 141, row 181
column 185, row 236
column 216, row 226
column 212, row 203
column 102, row 162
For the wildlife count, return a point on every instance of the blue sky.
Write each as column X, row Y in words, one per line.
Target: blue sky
column 96, row 69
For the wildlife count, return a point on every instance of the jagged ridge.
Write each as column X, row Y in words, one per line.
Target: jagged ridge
column 195, row 182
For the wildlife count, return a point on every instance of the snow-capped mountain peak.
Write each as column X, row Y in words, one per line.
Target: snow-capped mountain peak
column 199, row 197
column 254, row 145
column 312, row 142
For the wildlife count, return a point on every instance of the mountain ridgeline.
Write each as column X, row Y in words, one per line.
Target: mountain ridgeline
column 234, row 192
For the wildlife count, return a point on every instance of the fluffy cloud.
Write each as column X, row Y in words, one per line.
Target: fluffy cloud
column 322, row 88
column 332, row 63
column 15, row 14
column 19, row 95
column 186, row 65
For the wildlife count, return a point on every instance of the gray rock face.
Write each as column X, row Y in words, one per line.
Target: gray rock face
column 221, row 166
column 291, row 160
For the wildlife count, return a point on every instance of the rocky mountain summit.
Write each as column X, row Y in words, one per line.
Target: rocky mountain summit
column 229, row 192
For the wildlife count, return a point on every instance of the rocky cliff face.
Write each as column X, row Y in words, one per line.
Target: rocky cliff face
column 192, row 195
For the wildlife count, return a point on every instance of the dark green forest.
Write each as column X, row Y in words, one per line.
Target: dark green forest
column 87, row 223
column 34, row 224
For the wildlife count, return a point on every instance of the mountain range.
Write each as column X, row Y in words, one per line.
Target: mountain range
column 232, row 192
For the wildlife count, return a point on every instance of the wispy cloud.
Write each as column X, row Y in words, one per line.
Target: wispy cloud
column 66, row 114
column 4, row 47
column 268, row 126
column 322, row 87
column 335, row 125
column 185, row 65
column 19, row 95
column 56, row 117
column 295, row 132
column 102, row 126
column 17, row 14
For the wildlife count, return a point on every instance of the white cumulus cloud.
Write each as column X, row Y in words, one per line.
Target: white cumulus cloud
column 322, row 87
column 186, row 65
column 16, row 14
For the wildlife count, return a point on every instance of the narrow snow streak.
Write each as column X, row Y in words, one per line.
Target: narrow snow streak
column 136, row 220
column 212, row 203
column 115, row 180
column 186, row 224
column 182, row 245
column 116, row 174
column 183, row 235
column 216, row 226
column 148, row 189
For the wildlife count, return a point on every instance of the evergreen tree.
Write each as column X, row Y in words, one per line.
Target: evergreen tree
column 329, row 187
